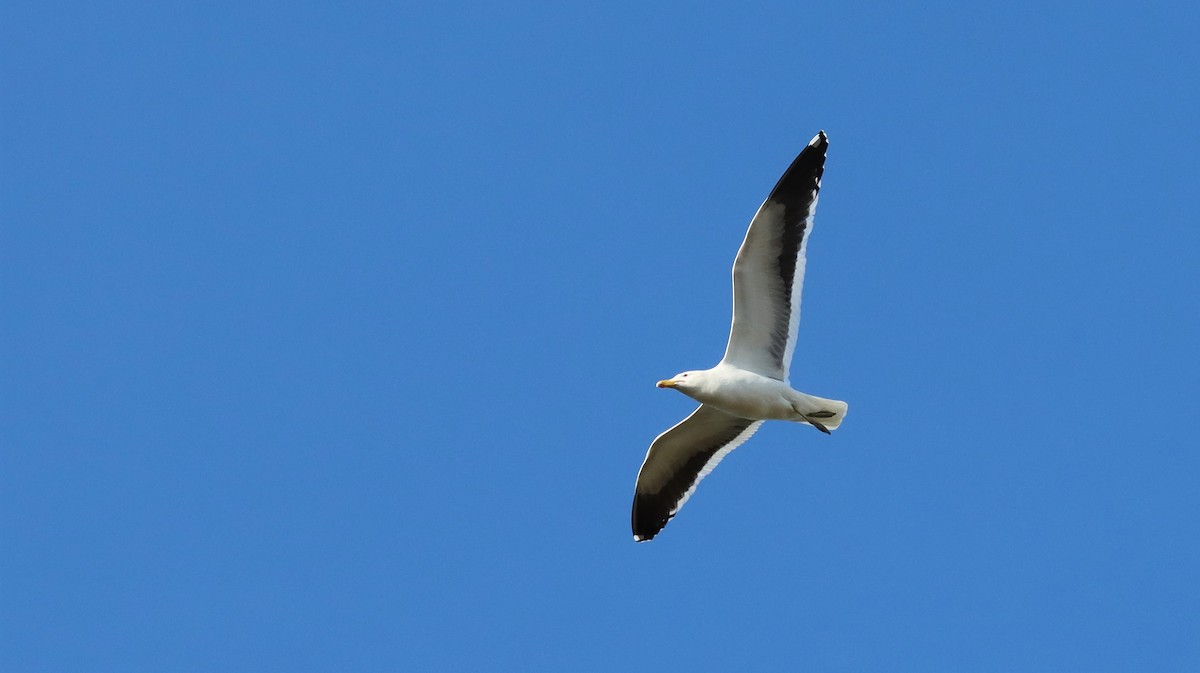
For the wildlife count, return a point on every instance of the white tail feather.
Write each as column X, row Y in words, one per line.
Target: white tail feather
column 813, row 410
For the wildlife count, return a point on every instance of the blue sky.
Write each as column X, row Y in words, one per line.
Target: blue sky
column 329, row 334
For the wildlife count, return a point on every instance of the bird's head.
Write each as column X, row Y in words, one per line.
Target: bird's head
column 682, row 382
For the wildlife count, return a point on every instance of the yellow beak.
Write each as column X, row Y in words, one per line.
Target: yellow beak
column 669, row 383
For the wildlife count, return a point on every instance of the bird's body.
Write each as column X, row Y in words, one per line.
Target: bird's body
column 750, row 385
column 746, row 394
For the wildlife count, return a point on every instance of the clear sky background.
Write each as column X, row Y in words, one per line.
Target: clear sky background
column 330, row 333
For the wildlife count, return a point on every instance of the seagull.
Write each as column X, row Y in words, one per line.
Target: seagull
column 750, row 384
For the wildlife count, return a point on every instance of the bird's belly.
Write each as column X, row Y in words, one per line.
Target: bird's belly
column 753, row 402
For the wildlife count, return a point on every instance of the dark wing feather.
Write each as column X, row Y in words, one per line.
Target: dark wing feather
column 678, row 459
column 768, row 274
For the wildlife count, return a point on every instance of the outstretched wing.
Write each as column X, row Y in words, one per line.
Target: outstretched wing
column 676, row 462
column 768, row 273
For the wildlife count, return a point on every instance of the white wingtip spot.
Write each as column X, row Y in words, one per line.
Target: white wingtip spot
column 817, row 138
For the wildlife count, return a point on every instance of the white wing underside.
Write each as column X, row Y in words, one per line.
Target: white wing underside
column 756, row 343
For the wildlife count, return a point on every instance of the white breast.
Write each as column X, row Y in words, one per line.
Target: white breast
column 746, row 394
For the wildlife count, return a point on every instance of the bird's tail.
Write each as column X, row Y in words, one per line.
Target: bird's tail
column 824, row 415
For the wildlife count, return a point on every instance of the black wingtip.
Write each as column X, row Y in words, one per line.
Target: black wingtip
column 650, row 516
column 802, row 179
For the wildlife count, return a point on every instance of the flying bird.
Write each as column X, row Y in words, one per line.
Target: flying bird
column 750, row 384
